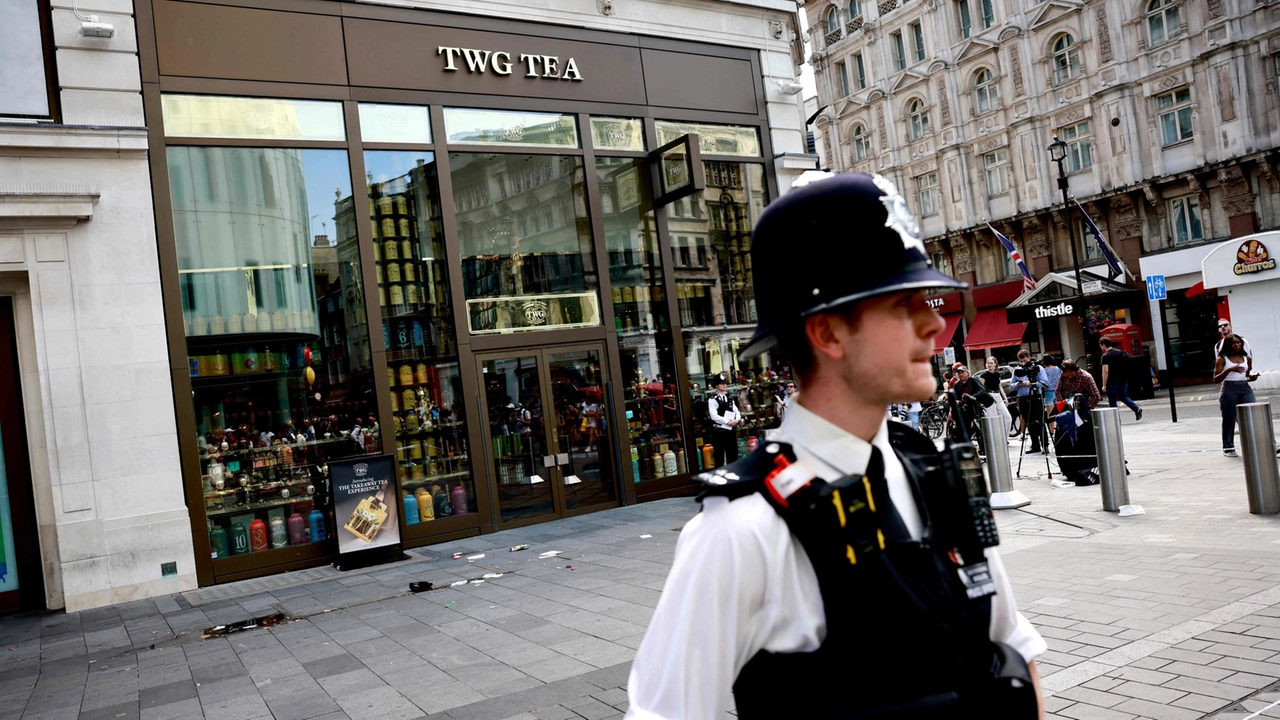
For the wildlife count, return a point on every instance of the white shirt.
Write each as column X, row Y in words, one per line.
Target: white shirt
column 722, row 409
column 741, row 583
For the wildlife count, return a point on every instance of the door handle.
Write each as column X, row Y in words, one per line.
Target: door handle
column 548, row 461
column 562, row 459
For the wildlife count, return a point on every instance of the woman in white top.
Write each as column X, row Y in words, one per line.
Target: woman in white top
column 991, row 380
column 1234, row 370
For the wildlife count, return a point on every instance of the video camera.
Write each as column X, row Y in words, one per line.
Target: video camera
column 1029, row 371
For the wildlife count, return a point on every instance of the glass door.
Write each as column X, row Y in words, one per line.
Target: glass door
column 550, row 441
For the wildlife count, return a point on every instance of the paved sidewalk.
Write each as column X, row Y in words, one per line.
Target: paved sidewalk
column 1173, row 614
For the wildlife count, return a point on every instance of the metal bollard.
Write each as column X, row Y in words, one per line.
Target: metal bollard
column 1106, row 436
column 1261, row 475
column 999, row 473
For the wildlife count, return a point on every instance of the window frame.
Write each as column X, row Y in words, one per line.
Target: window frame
column 832, row 12
column 842, row 78
column 53, row 87
column 917, row 119
column 986, row 94
column 996, row 169
column 988, row 14
column 855, row 9
column 1162, row 9
column 860, row 139
column 1190, row 204
column 932, row 190
column 861, row 70
column 1175, row 110
column 917, row 40
column 900, row 47
column 966, row 19
column 1065, row 57
column 1075, row 142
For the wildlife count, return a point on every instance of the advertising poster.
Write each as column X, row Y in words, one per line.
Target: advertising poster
column 364, row 502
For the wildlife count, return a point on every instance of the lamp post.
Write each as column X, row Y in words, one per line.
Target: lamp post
column 1058, row 153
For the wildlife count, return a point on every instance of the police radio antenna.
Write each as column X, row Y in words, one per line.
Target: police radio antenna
column 959, row 433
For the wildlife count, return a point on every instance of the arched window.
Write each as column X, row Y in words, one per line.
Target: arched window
column 1163, row 22
column 984, row 91
column 833, row 20
column 1066, row 59
column 861, row 144
column 919, row 118
column 855, row 9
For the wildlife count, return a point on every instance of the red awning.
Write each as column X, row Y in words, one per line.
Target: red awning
column 991, row 330
column 1194, row 290
column 943, row 339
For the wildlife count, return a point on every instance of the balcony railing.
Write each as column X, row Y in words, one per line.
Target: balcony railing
column 832, row 37
column 887, row 6
column 853, row 25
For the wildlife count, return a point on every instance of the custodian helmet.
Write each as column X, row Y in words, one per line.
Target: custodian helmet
column 857, row 239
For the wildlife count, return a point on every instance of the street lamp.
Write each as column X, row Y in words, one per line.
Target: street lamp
column 1058, row 153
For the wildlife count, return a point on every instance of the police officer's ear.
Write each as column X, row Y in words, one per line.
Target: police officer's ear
column 825, row 332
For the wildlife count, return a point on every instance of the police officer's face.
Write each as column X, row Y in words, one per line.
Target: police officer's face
column 721, row 388
column 887, row 353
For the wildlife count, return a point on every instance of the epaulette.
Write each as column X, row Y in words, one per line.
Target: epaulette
column 747, row 475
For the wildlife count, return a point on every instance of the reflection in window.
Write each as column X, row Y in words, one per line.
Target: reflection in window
column 24, row 84
column 984, row 91
column 617, row 133
column 1162, row 21
column 1066, row 59
column 395, row 123
column 418, row 331
column 1184, row 215
column 715, row 295
column 713, row 139
column 499, row 127
column 212, row 116
column 527, row 257
column 277, row 337
column 1175, row 116
column 641, row 313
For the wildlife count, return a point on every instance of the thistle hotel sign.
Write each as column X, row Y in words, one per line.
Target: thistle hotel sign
column 498, row 62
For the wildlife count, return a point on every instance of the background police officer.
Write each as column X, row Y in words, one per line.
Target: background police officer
column 725, row 417
column 743, row 607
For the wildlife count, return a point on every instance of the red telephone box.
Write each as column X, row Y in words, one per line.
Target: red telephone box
column 1127, row 336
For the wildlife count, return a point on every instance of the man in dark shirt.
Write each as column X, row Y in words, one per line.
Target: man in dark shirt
column 1115, row 375
column 1073, row 382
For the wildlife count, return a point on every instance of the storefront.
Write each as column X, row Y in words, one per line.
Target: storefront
column 948, row 343
column 509, row 255
column 1054, row 306
column 991, row 334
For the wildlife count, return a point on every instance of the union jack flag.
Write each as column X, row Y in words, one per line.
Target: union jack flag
column 1028, row 282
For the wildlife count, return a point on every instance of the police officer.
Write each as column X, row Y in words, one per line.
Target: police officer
column 724, row 421
column 826, row 576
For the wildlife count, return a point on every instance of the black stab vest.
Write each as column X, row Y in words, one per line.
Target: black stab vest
column 903, row 641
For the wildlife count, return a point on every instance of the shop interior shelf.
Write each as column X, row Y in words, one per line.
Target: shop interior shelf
column 438, row 427
column 436, row 479
column 255, row 339
column 207, row 381
column 255, row 507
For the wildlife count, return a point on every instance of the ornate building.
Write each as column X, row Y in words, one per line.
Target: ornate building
column 1169, row 111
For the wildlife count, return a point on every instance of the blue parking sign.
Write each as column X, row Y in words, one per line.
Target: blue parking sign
column 1155, row 288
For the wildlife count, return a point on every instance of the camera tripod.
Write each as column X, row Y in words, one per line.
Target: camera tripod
column 1035, row 411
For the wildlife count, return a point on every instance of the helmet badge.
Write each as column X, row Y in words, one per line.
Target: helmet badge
column 900, row 218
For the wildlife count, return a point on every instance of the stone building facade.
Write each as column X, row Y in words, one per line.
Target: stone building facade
column 1169, row 109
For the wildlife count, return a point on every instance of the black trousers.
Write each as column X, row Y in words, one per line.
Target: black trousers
column 725, row 445
column 1032, row 408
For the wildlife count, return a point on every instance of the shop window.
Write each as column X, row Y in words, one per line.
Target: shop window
column 272, row 405
column 917, row 41
column 419, row 332
column 1163, row 22
column 713, row 139
column 642, row 316
column 512, row 129
column 527, row 256
column 1184, row 215
column 1079, row 146
column 899, row 51
column 609, row 133
column 1175, row 116
column 861, row 143
column 918, row 119
column 860, row 71
column 1066, row 59
column 716, row 300
column 842, row 77
column 984, row 91
column 27, row 85
column 395, row 124
column 215, row 116
column 930, row 198
column 995, row 165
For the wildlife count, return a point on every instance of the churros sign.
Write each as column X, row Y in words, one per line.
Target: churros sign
column 1252, row 257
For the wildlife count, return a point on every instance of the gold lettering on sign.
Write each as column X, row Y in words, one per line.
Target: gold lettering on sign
column 547, row 67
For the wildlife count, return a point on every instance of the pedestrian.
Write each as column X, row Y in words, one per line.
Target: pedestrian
column 1115, row 375
column 1077, row 382
column 1052, row 373
column 785, row 392
column 1224, row 329
column 1234, row 369
column 781, row 589
column 991, row 381
column 725, row 417
column 1031, row 386
column 948, row 379
column 973, row 395
column 913, row 414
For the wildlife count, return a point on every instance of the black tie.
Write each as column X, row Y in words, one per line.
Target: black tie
column 895, row 530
